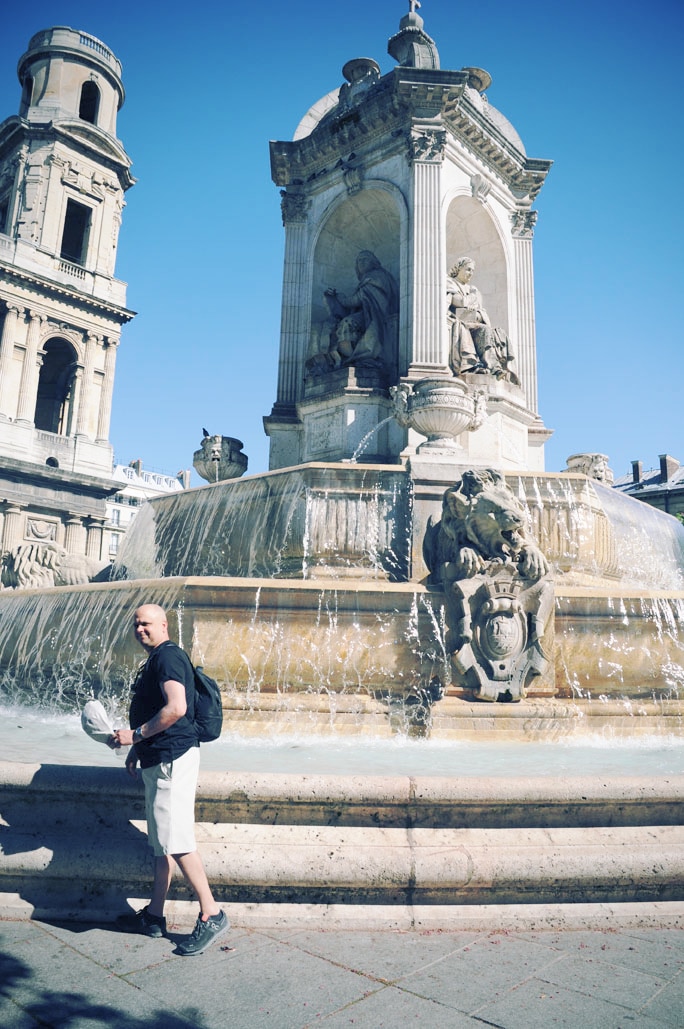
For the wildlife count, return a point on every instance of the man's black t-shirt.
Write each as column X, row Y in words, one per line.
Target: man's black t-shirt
column 166, row 662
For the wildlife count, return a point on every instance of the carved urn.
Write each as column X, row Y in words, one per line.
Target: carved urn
column 220, row 458
column 440, row 409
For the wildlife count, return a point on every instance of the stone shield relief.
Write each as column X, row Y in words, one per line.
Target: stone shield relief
column 498, row 590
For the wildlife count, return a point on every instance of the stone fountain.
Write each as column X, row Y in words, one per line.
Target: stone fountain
column 405, row 566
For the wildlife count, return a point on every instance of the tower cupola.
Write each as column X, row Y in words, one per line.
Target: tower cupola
column 67, row 74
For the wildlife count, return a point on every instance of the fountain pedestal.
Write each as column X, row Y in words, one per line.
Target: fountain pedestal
column 347, row 414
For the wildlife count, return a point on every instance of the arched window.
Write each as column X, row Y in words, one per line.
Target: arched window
column 27, row 93
column 89, row 104
column 52, row 462
column 54, row 403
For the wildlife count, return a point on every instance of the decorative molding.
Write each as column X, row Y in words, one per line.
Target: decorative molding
column 40, row 529
column 352, row 176
column 480, row 188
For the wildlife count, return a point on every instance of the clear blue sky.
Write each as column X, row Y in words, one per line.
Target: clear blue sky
column 594, row 86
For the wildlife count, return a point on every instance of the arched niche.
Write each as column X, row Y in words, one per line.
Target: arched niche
column 472, row 232
column 369, row 220
column 55, row 398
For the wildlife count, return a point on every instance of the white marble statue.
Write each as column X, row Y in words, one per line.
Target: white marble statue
column 362, row 329
column 475, row 344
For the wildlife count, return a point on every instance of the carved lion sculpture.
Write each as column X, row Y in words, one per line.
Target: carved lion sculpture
column 482, row 525
column 37, row 565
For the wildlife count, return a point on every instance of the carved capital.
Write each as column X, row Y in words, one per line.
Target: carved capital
column 294, row 207
column 15, row 309
column 523, row 223
column 427, row 145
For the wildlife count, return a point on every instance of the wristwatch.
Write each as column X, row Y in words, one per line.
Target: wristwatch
column 138, row 733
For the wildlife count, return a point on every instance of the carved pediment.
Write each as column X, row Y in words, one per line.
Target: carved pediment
column 100, row 144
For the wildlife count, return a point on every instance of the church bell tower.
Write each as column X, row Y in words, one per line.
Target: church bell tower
column 63, row 176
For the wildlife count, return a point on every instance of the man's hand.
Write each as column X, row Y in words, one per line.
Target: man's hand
column 122, row 738
column 132, row 763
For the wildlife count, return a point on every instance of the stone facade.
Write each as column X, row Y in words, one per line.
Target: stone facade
column 412, row 170
column 661, row 487
column 63, row 175
column 139, row 485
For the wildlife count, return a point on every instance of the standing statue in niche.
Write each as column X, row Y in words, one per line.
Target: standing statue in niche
column 363, row 327
column 498, row 590
column 475, row 344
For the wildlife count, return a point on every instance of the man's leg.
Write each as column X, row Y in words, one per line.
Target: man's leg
column 192, row 868
column 163, row 873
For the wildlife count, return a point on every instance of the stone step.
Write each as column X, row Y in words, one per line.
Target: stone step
column 73, row 842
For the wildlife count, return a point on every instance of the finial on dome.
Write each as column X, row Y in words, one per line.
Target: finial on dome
column 411, row 47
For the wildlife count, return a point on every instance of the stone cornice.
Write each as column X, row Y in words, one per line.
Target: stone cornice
column 10, row 273
column 524, row 175
column 294, row 162
column 61, row 482
column 82, row 137
column 390, row 110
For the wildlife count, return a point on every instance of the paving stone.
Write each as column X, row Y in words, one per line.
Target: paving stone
column 540, row 1005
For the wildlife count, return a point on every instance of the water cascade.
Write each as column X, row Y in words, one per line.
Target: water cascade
column 305, row 594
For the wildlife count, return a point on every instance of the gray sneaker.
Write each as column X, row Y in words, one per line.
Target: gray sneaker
column 144, row 923
column 204, row 934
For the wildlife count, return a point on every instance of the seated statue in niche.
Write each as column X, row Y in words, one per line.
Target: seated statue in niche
column 362, row 328
column 475, row 344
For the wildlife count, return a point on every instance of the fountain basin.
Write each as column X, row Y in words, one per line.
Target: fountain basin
column 325, row 654
column 416, row 852
column 346, row 657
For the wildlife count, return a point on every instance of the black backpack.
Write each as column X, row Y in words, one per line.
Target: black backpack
column 208, row 707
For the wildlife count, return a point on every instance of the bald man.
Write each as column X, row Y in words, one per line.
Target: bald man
column 164, row 743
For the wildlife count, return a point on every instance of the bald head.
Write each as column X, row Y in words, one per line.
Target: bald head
column 150, row 626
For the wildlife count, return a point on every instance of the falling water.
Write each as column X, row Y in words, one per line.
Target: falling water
column 300, row 591
column 61, row 647
column 278, row 525
column 368, row 437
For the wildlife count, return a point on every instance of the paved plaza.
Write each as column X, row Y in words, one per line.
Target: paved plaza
column 82, row 977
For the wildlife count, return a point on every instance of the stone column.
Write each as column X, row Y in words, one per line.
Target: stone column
column 9, row 332
column 429, row 350
column 30, row 373
column 75, row 535
column 74, row 402
column 525, row 335
column 86, row 392
column 295, row 315
column 11, row 530
column 105, row 412
column 95, row 527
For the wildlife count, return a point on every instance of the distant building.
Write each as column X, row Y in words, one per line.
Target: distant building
column 63, row 176
column 661, row 487
column 139, row 485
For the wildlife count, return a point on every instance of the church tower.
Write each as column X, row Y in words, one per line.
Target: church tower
column 390, row 180
column 63, row 176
